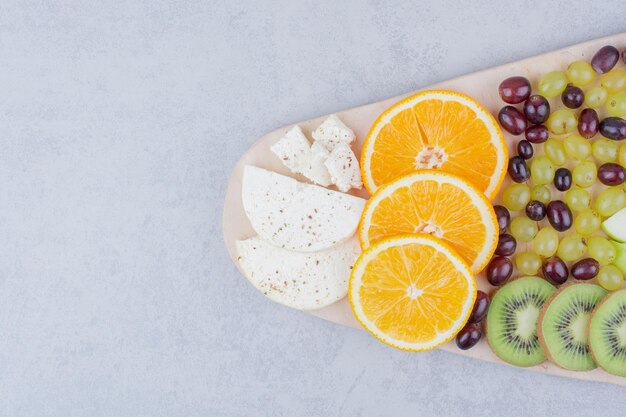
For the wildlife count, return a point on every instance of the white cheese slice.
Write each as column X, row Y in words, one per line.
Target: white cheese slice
column 302, row 280
column 293, row 149
column 297, row 216
column 343, row 167
column 332, row 132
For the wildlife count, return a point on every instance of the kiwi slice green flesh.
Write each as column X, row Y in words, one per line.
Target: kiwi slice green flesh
column 512, row 320
column 607, row 333
column 564, row 326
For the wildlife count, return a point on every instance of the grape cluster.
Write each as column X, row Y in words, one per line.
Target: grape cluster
column 549, row 211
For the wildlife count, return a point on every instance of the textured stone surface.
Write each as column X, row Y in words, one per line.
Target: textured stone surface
column 119, row 124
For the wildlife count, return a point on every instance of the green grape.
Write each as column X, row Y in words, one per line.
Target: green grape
column 604, row 150
column 610, row 278
column 580, row 73
column 595, row 97
column 546, row 242
column 552, row 84
column 554, row 149
column 523, row 229
column 562, row 121
column 587, row 222
column 541, row 170
column 601, row 250
column 610, row 201
column 516, row 197
column 621, row 154
column 541, row 193
column 616, row 105
column 576, row 147
column 577, row 199
column 572, row 247
column 584, row 174
column 613, row 81
column 528, row 263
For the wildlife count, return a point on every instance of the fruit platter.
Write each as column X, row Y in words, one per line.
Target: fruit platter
column 485, row 215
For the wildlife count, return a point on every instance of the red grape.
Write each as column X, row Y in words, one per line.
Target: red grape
column 555, row 270
column 588, row 123
column 514, row 90
column 537, row 109
column 585, row 269
column 559, row 215
column 605, row 59
column 512, row 120
column 468, row 336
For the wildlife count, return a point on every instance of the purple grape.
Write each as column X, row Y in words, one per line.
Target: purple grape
column 518, row 170
column 535, row 210
column 555, row 270
column 588, row 123
column 525, row 149
column 537, row 109
column 605, row 59
column 512, row 120
column 562, row 179
column 468, row 336
column 572, row 96
column 503, row 216
column 481, row 305
column 499, row 270
column 506, row 245
column 537, row 134
column 613, row 128
column 514, row 90
column 611, row 174
column 585, row 269
column 559, row 215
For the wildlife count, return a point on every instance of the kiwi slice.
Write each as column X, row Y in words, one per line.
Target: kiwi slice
column 607, row 333
column 512, row 320
column 563, row 326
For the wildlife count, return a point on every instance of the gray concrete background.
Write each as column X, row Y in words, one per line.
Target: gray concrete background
column 119, row 124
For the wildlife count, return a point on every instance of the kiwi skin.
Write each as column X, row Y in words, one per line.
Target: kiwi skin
column 487, row 328
column 595, row 310
column 542, row 313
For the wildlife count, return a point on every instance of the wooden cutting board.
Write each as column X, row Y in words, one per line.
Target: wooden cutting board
column 483, row 86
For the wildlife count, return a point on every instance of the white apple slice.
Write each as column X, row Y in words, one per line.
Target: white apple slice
column 301, row 280
column 297, row 216
column 615, row 226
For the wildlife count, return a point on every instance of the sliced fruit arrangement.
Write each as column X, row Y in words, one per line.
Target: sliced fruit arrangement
column 440, row 130
column 412, row 292
column 607, row 333
column 432, row 162
column 563, row 326
column 436, row 203
column 512, row 320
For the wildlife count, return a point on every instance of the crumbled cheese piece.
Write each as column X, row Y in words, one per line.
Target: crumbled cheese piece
column 332, row 132
column 293, row 150
column 316, row 169
column 302, row 280
column 343, row 167
column 298, row 216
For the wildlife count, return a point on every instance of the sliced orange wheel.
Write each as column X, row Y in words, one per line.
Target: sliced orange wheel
column 435, row 203
column 412, row 292
column 440, row 130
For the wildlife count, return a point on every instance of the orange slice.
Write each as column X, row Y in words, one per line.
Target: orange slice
column 436, row 203
column 440, row 130
column 412, row 292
